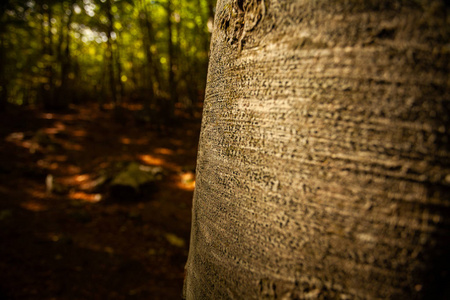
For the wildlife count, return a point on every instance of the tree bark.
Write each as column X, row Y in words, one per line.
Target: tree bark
column 323, row 169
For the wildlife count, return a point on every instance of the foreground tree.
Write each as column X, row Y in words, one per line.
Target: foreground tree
column 324, row 163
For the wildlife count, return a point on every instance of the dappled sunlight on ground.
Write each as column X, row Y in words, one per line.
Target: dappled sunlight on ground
column 79, row 133
column 163, row 151
column 125, row 140
column 57, row 213
column 91, row 198
column 151, row 160
column 34, row 206
column 58, row 127
column 81, row 178
column 47, row 116
column 187, row 181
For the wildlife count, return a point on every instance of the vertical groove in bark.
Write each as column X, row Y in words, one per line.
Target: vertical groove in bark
column 324, row 166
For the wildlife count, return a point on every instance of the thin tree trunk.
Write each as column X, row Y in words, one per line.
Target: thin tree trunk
column 324, row 159
column 155, row 67
column 112, row 77
column 211, row 10
column 119, row 75
column 3, row 81
column 134, row 72
column 61, row 35
column 147, row 43
column 172, row 82
column 49, row 88
column 206, row 18
column 64, row 56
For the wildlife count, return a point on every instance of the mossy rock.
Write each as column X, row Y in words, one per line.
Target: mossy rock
column 134, row 181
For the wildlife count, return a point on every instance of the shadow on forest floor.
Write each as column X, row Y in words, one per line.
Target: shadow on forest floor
column 63, row 235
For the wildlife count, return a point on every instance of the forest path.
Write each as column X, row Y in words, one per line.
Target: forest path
column 76, row 242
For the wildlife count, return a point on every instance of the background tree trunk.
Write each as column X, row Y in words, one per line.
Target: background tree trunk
column 170, row 110
column 64, row 92
column 112, row 76
column 48, row 92
column 3, row 80
column 148, row 41
column 324, row 166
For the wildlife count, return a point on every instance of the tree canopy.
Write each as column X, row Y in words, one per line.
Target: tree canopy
column 54, row 53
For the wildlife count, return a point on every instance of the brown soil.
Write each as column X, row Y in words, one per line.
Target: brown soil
column 77, row 243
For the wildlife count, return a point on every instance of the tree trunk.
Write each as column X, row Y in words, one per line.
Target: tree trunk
column 323, row 169
column 3, row 80
column 148, row 41
column 153, row 61
column 64, row 59
column 50, row 100
column 172, row 83
column 119, row 73
column 109, row 44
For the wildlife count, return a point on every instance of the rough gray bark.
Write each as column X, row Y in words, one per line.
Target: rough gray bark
column 324, row 164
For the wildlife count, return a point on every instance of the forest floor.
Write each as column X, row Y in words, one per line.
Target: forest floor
column 60, row 238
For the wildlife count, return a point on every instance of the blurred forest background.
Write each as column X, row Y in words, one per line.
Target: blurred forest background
column 100, row 111
column 54, row 53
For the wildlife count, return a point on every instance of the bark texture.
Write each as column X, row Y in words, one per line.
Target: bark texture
column 324, row 165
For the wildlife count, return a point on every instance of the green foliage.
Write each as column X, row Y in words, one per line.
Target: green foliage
column 55, row 53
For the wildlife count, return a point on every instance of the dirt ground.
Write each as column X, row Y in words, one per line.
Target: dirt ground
column 60, row 238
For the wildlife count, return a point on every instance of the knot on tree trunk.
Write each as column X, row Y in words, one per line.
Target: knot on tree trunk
column 239, row 17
